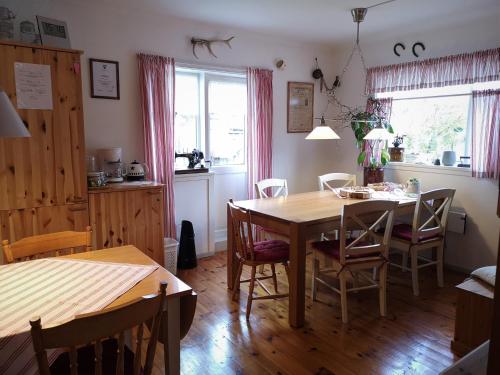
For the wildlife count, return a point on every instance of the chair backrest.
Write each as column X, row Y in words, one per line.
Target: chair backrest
column 366, row 217
column 346, row 178
column 242, row 231
column 94, row 327
column 277, row 186
column 39, row 246
column 431, row 214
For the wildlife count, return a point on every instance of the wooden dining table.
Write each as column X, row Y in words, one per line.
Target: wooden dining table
column 300, row 217
column 180, row 296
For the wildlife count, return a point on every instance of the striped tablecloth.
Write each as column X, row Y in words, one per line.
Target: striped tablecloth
column 56, row 290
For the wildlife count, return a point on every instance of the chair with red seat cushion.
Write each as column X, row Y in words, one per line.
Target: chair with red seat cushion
column 270, row 188
column 255, row 254
column 350, row 256
column 427, row 231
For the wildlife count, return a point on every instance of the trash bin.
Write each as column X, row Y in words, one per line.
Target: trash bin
column 170, row 254
column 187, row 250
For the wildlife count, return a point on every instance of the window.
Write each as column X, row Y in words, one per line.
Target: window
column 434, row 120
column 210, row 115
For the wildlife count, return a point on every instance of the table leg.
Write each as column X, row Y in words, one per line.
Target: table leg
column 174, row 338
column 232, row 265
column 297, row 276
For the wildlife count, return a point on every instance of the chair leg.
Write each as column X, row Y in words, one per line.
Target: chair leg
column 382, row 289
column 314, row 284
column 374, row 273
column 261, row 269
column 250, row 291
column 404, row 263
column 414, row 272
column 275, row 280
column 439, row 265
column 236, row 284
column 343, row 296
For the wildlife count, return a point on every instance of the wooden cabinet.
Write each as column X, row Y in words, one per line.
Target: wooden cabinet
column 43, row 185
column 474, row 316
column 128, row 214
column 47, row 169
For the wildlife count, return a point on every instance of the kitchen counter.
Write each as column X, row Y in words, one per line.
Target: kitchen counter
column 123, row 186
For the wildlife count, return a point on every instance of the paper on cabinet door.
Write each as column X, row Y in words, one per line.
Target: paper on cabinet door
column 33, row 86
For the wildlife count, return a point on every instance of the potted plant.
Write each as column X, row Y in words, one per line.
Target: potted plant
column 450, row 157
column 373, row 154
column 396, row 152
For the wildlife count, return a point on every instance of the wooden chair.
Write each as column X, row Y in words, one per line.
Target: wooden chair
column 350, row 256
column 45, row 244
column 97, row 328
column 277, row 186
column 255, row 254
column 346, row 179
column 426, row 232
column 324, row 182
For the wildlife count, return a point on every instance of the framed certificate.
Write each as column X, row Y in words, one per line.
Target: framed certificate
column 300, row 103
column 104, row 79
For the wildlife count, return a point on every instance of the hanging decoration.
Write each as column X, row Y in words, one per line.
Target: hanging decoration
column 352, row 116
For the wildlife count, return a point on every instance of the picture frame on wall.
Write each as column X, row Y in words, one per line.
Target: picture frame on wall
column 104, row 79
column 300, row 104
column 53, row 33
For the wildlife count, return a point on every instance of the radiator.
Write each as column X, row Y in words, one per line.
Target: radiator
column 457, row 221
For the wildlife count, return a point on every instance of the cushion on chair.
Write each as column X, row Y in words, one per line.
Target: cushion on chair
column 271, row 251
column 86, row 363
column 332, row 248
column 404, row 231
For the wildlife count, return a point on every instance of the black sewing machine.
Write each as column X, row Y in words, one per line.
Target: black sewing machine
column 195, row 158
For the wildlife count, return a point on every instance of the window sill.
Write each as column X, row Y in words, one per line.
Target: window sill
column 426, row 168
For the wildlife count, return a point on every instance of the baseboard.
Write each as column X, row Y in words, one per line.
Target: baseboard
column 220, row 240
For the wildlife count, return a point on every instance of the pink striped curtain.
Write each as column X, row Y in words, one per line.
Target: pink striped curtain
column 157, row 83
column 466, row 68
column 374, row 148
column 486, row 134
column 259, row 126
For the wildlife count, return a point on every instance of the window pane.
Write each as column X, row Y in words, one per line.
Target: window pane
column 227, row 122
column 431, row 126
column 187, row 115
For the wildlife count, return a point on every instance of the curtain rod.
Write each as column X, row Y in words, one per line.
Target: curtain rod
column 208, row 66
column 425, row 97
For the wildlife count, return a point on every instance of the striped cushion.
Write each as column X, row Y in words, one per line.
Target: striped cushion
column 273, row 251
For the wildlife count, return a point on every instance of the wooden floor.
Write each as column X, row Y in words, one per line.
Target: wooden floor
column 413, row 339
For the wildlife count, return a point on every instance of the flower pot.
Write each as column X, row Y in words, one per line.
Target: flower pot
column 449, row 158
column 373, row 175
column 396, row 153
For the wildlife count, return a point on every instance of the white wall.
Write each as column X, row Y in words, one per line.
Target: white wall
column 479, row 246
column 116, row 33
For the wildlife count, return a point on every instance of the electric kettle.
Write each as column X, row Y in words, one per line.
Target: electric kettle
column 136, row 171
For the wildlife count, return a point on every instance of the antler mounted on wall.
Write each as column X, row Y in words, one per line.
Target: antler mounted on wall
column 208, row 43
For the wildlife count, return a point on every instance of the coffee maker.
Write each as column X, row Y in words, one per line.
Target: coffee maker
column 111, row 164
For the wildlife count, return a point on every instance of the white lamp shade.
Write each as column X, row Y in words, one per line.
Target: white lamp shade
column 322, row 132
column 378, row 133
column 11, row 125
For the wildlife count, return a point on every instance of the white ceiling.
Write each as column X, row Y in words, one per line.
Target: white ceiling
column 325, row 21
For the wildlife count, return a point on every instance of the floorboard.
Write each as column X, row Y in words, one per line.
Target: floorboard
column 413, row 339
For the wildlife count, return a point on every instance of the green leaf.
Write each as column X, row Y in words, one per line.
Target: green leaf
column 390, row 129
column 384, row 157
column 361, row 157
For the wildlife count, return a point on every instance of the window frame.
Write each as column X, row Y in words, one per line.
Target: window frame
column 205, row 75
column 461, row 90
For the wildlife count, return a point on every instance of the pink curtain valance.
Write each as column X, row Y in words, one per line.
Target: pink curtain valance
column 466, row 68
